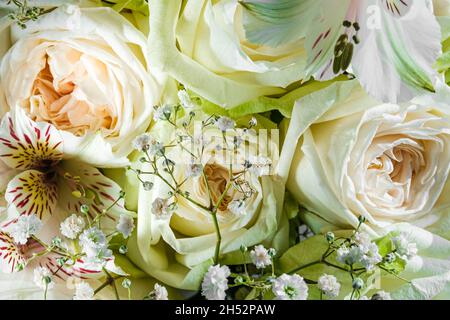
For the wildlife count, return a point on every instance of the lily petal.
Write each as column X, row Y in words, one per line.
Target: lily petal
column 33, row 192
column 277, row 22
column 10, row 254
column 25, row 144
column 401, row 46
column 82, row 184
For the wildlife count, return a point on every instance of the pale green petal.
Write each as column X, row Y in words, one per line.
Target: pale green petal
column 278, row 22
column 401, row 51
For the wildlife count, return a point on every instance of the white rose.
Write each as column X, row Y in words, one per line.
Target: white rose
column 214, row 57
column 174, row 244
column 84, row 70
column 356, row 157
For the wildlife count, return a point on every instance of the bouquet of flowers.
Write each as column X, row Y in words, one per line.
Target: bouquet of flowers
column 199, row 149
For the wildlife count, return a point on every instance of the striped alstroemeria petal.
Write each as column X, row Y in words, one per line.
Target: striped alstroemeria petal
column 397, row 7
column 11, row 255
column 25, row 144
column 33, row 192
column 81, row 184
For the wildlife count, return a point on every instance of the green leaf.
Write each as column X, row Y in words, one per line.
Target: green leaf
column 396, row 267
column 195, row 276
column 283, row 104
column 385, row 245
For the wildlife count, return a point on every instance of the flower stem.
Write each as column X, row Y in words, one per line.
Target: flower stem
column 219, row 237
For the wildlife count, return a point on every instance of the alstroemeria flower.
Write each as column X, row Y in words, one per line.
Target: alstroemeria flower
column 33, row 151
column 391, row 45
column 86, row 72
column 202, row 44
column 357, row 157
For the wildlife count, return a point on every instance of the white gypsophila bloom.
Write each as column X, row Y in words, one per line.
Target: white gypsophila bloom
column 194, row 170
column 42, row 277
column 403, row 247
column 348, row 256
column 371, row 257
column 185, row 100
column 93, row 237
column 215, row 282
column 260, row 257
column 156, row 148
column 362, row 239
column 363, row 298
column 225, row 123
column 163, row 113
column 237, row 207
column 160, row 208
column 95, row 245
column 142, row 142
column 24, row 228
column 160, row 292
column 125, row 225
column 290, row 287
column 382, row 295
column 83, row 291
column 329, row 285
column 304, row 232
column 72, row 226
column 253, row 122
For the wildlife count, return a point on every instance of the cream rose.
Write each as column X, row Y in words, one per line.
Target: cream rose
column 356, row 157
column 203, row 45
column 176, row 245
column 85, row 71
column 441, row 7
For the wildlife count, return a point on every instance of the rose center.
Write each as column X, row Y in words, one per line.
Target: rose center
column 391, row 175
column 67, row 93
column 218, row 178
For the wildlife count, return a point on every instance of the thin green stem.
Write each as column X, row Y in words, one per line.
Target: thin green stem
column 45, row 291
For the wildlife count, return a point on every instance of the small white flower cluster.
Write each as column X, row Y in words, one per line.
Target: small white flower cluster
column 194, row 170
column 161, row 209
column 43, row 278
column 290, row 287
column 95, row 246
column 24, row 227
column 125, row 225
column 261, row 257
column 159, row 293
column 163, row 113
column 215, row 282
column 146, row 143
column 185, row 100
column 72, row 226
column 404, row 248
column 225, row 124
column 329, row 285
column 362, row 250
